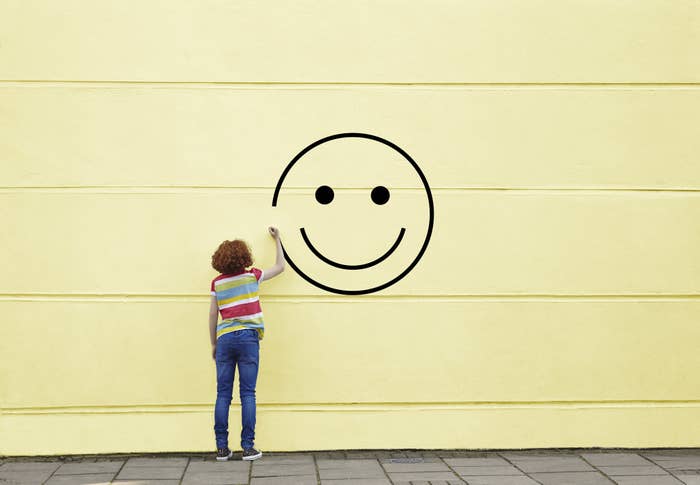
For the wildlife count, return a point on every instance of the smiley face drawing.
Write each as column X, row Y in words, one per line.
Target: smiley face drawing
column 367, row 220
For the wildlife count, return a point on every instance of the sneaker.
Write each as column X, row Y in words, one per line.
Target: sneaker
column 223, row 454
column 251, row 454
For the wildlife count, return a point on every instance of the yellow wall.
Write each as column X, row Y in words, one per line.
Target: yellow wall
column 557, row 303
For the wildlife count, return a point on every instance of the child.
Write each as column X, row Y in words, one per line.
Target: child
column 235, row 341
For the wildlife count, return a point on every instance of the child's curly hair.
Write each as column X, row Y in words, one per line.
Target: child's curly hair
column 231, row 257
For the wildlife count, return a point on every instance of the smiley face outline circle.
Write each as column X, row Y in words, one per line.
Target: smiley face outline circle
column 428, row 193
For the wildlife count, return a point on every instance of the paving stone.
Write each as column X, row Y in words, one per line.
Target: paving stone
column 555, row 464
column 429, row 454
column 536, row 455
column 403, row 477
column 160, row 462
column 357, row 481
column 437, row 482
column 653, row 480
column 300, row 480
column 425, row 465
column 572, row 478
column 674, row 452
column 34, row 466
column 680, row 467
column 359, row 455
column 501, row 480
column 279, row 469
column 147, row 482
column 215, row 478
column 683, row 470
column 219, row 466
column 632, row 470
column 87, row 479
column 461, row 454
column 473, row 461
column 94, row 467
column 477, row 454
column 330, row 455
column 382, row 454
column 467, row 471
column 689, row 479
column 615, row 459
column 150, row 472
column 286, row 459
column 356, row 472
column 24, row 477
column 324, row 464
column 677, row 462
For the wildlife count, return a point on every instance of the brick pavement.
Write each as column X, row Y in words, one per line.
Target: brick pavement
column 385, row 467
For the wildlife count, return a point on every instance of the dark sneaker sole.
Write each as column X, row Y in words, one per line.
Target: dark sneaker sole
column 252, row 457
column 224, row 458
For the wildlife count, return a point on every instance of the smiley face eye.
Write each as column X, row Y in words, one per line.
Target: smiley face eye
column 324, row 195
column 380, row 195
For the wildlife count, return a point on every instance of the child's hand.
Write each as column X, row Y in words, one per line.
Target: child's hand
column 274, row 232
column 213, row 351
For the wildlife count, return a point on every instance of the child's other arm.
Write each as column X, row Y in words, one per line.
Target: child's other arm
column 270, row 273
column 213, row 318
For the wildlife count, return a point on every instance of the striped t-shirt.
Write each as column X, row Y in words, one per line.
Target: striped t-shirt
column 237, row 298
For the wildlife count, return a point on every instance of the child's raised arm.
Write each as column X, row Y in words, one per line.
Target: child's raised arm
column 273, row 271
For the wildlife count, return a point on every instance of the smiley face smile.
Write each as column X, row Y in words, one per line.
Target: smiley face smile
column 352, row 266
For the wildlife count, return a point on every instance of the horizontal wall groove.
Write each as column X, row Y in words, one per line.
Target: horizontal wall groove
column 199, row 298
column 342, row 84
column 349, row 407
column 178, row 189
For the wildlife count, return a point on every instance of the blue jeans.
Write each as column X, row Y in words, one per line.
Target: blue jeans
column 236, row 348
